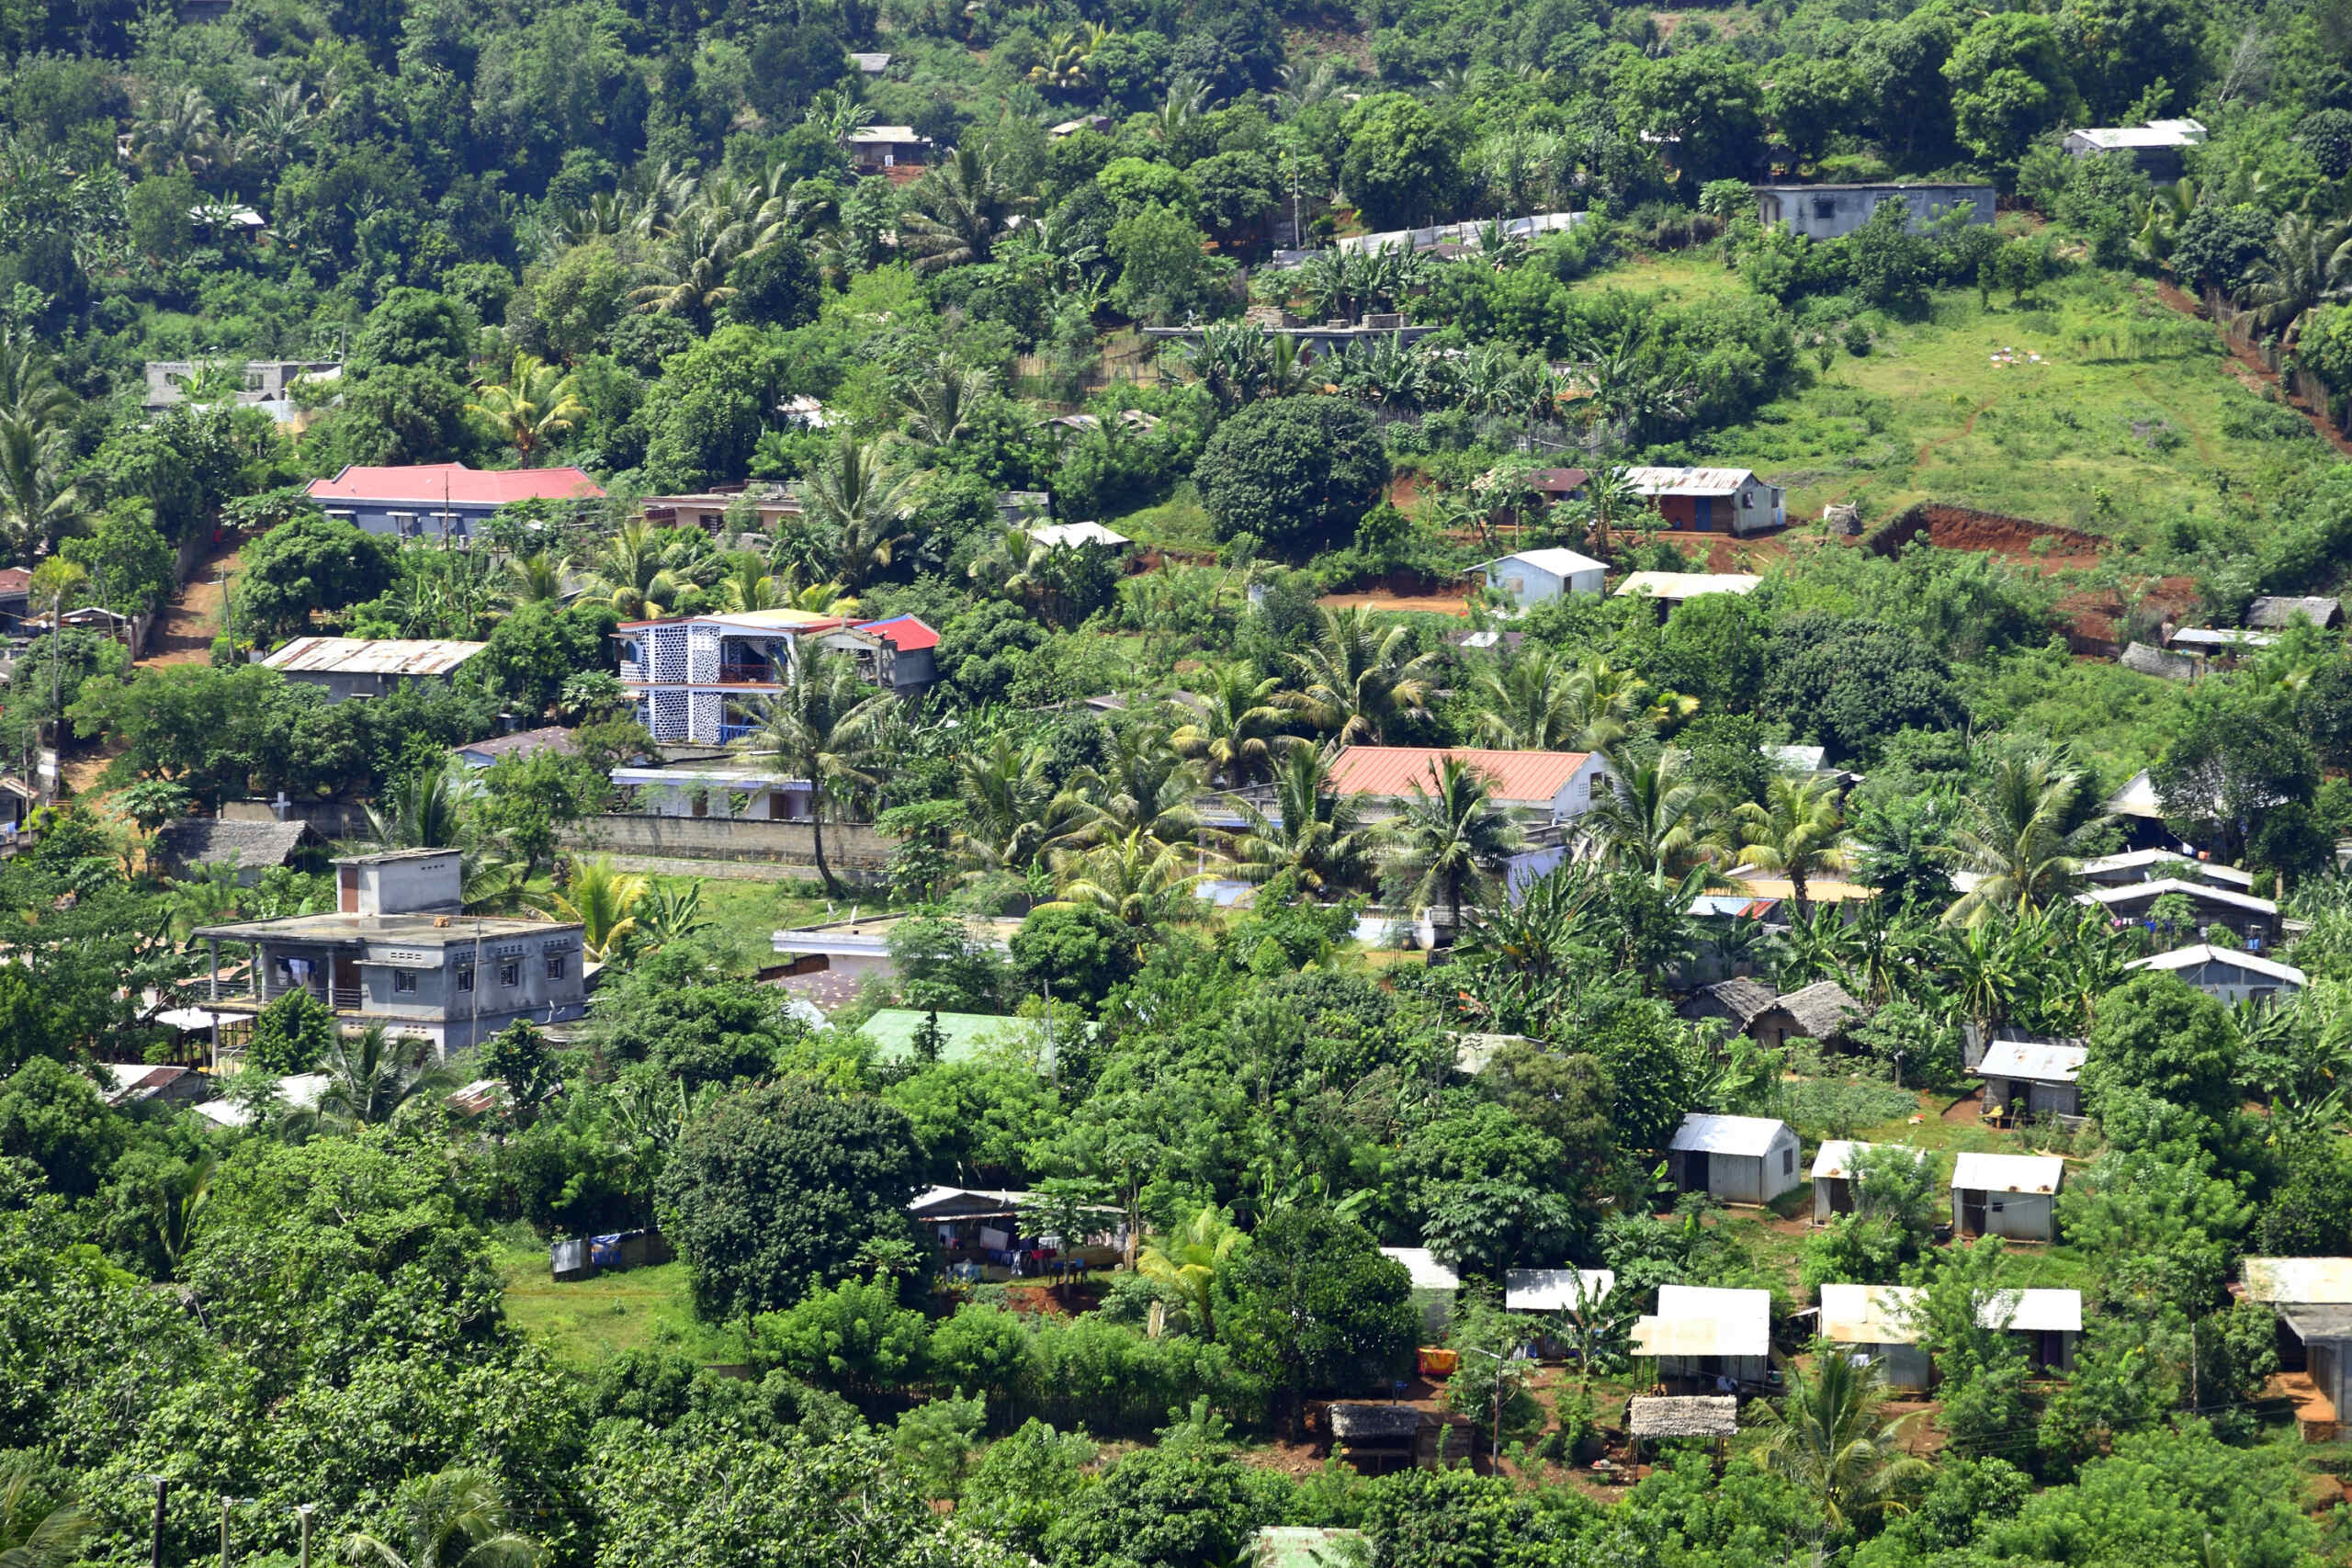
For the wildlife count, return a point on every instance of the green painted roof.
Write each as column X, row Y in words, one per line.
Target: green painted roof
column 963, row 1035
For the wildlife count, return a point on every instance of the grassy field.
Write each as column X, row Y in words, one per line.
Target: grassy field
column 1682, row 277
column 584, row 1322
column 2098, row 407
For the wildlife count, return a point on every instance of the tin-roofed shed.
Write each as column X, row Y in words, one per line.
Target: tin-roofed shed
column 1710, row 1334
column 2007, row 1195
column 1741, row 1160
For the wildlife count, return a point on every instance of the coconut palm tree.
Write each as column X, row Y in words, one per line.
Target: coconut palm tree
column 1357, row 679
column 38, row 503
column 1014, row 815
column 747, row 585
column 687, row 275
column 1233, row 723
column 29, row 389
column 1796, row 830
column 1826, row 1437
column 603, row 899
column 2022, row 837
column 858, row 494
column 940, row 405
column 1449, row 841
column 178, row 131
column 372, row 1077
column 429, row 809
column 2309, row 263
column 536, row 579
column 1533, row 703
column 1139, row 882
column 1145, row 787
column 643, row 571
column 1315, row 835
column 453, row 1518
column 824, row 725
column 1187, row 1260
column 537, row 404
column 959, row 211
column 30, row 1535
column 1658, row 819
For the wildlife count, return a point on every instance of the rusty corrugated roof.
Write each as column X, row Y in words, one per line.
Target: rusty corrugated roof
column 371, row 656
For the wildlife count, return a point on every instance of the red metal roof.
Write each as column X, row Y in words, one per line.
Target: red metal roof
column 1511, row 775
column 15, row 580
column 905, row 633
column 423, row 483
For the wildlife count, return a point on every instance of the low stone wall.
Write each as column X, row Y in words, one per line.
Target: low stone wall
column 853, row 850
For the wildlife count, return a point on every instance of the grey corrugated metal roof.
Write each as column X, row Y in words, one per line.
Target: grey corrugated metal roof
column 2043, row 1062
column 371, row 656
column 1750, row 1136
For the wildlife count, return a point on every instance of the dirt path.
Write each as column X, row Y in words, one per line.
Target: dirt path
column 2248, row 367
column 1967, row 428
column 193, row 617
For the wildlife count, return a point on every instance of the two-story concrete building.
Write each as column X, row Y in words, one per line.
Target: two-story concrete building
column 1833, row 211
column 697, row 679
column 400, row 951
column 441, row 502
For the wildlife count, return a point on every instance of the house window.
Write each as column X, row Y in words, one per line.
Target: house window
column 556, row 966
column 1824, row 206
column 465, row 978
column 1788, row 1161
column 510, row 974
column 403, row 982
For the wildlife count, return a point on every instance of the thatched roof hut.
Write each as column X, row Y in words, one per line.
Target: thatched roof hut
column 1822, row 1010
column 1740, row 1002
column 1700, row 1415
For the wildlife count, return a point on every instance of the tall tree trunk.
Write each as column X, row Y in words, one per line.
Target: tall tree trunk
column 817, row 837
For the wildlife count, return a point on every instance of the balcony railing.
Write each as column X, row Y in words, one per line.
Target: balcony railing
column 732, row 730
column 760, row 675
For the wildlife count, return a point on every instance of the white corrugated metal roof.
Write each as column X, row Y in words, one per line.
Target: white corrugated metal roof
column 1428, row 1273
column 2131, row 891
column 1558, row 562
column 1749, row 1135
column 2298, row 1282
column 1870, row 1314
column 1837, row 1157
column 1555, row 1290
column 372, row 656
column 2009, row 1173
column 2203, row 952
column 1686, row 482
column 1697, row 1320
column 1058, row 535
column 2142, row 860
column 2032, row 1312
column 2031, row 1059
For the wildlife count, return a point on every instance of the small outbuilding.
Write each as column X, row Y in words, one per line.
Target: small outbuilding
column 1738, row 1002
column 2014, row 1196
column 182, row 849
column 1650, row 1417
column 2228, row 974
column 138, row 1083
column 2312, row 1297
column 2139, row 865
column 1556, row 1290
column 2272, row 614
column 2048, row 1322
column 2029, row 1077
column 1739, row 1159
column 1537, row 577
column 1822, row 1011
column 1433, row 1285
column 1719, row 1337
column 1835, row 1168
column 2255, row 920
column 1877, row 1324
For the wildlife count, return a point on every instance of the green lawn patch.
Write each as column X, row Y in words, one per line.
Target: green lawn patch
column 583, row 1323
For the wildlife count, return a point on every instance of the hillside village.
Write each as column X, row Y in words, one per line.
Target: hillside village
column 1118, row 785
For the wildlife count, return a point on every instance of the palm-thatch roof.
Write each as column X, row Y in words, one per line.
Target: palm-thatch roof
column 1742, row 1001
column 1822, row 1010
column 1698, row 1415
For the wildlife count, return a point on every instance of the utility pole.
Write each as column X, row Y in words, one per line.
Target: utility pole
column 226, row 1503
column 302, row 1512
column 155, row 1539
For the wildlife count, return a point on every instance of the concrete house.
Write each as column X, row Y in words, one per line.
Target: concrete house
column 358, row 667
column 2049, row 1322
column 1712, row 501
column 2312, row 1297
column 1835, row 1167
column 1741, row 1160
column 2226, row 973
column 399, row 951
column 1710, row 1335
column 1876, row 1324
column 2158, row 148
column 2014, row 1196
column 444, row 502
column 1535, row 787
column 1833, row 211
column 2255, row 920
column 2026, row 1078
column 875, row 149
column 1537, row 577
column 698, row 678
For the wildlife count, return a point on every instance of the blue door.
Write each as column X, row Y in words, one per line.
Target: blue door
column 1706, row 514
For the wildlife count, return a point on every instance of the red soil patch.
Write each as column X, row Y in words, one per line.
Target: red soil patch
column 1417, row 603
column 2098, row 614
column 2012, row 539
